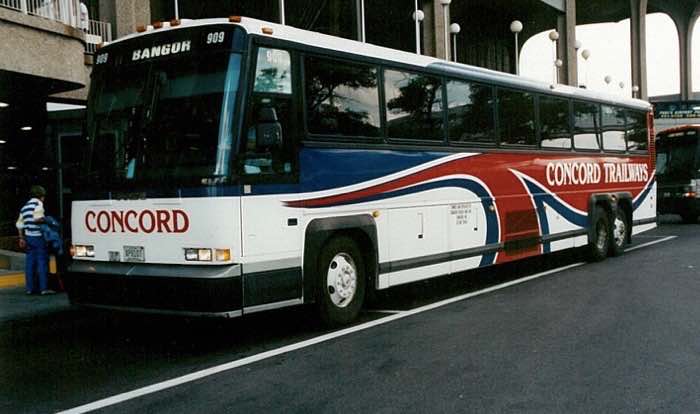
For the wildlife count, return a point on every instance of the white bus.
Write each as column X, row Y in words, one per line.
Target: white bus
column 243, row 166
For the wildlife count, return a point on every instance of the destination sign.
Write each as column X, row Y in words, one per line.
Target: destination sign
column 155, row 45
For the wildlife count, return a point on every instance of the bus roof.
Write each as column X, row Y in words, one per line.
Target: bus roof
column 320, row 40
column 679, row 128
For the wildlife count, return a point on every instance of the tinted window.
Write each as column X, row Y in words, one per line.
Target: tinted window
column 613, row 128
column 341, row 98
column 273, row 73
column 414, row 105
column 586, row 126
column 516, row 115
column 554, row 123
column 470, row 112
column 637, row 134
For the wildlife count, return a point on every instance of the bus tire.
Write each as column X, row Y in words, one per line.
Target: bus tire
column 620, row 227
column 600, row 244
column 341, row 281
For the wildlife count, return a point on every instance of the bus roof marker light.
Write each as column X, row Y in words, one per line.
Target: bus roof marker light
column 234, row 19
column 140, row 28
column 266, row 30
column 174, row 23
column 157, row 25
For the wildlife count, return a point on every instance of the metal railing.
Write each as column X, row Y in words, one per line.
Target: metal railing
column 98, row 32
column 66, row 12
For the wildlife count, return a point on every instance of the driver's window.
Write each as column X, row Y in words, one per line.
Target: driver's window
column 268, row 144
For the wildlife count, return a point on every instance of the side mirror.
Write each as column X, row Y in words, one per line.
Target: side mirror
column 268, row 131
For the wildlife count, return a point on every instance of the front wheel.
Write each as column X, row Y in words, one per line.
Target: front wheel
column 341, row 276
column 619, row 233
column 599, row 246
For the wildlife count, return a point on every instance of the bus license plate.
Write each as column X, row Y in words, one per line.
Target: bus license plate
column 134, row 254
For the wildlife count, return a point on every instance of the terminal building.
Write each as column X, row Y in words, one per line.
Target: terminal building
column 48, row 45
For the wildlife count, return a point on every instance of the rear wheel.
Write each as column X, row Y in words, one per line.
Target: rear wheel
column 341, row 276
column 600, row 244
column 620, row 227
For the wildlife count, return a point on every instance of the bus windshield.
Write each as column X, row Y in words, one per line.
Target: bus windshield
column 164, row 121
column 676, row 159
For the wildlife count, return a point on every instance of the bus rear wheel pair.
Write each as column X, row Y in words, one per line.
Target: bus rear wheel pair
column 608, row 238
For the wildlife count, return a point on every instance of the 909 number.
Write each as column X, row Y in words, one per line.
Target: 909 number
column 215, row 37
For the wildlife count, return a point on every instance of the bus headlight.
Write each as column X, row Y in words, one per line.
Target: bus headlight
column 82, row 251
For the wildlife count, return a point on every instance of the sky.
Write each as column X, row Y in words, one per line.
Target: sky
column 609, row 45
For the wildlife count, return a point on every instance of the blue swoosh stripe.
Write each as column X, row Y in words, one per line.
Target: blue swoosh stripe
column 541, row 197
column 644, row 195
column 492, row 226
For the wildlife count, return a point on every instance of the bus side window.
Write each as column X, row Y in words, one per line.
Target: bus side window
column 586, row 126
column 268, row 147
column 470, row 113
column 637, row 133
column 516, row 114
column 554, row 123
column 613, row 126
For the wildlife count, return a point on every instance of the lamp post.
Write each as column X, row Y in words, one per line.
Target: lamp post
column 361, row 31
column 281, row 7
column 577, row 46
column 445, row 7
column 621, row 85
column 516, row 27
column 177, row 11
column 608, row 80
column 418, row 17
column 454, row 29
column 585, row 53
column 635, row 89
column 554, row 36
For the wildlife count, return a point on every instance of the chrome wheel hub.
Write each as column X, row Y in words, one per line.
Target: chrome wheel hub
column 341, row 280
column 619, row 231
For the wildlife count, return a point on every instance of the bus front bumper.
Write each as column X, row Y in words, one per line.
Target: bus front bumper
column 189, row 290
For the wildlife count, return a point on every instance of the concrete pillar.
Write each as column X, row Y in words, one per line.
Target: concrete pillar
column 434, row 40
column 125, row 15
column 684, row 26
column 638, row 12
column 566, row 46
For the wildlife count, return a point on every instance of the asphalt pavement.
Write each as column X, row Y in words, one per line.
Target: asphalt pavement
column 620, row 335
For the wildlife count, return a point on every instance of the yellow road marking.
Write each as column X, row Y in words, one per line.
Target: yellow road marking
column 12, row 280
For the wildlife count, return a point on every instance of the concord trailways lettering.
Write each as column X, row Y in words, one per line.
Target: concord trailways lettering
column 582, row 173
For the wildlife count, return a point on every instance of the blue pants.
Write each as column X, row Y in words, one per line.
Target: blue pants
column 37, row 264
